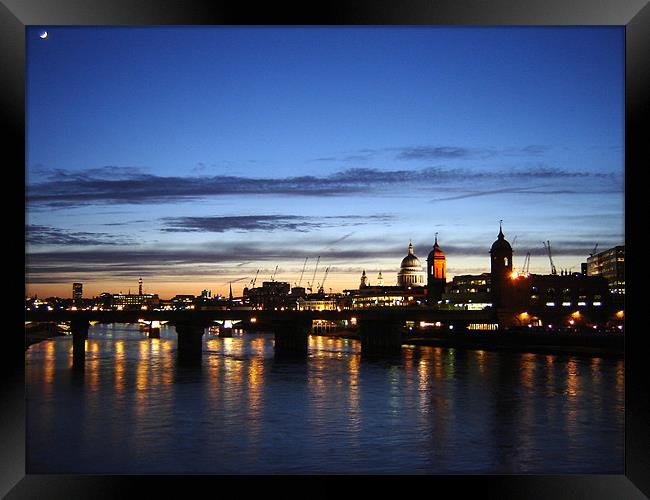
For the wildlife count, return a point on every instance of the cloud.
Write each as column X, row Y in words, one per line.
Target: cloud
column 46, row 235
column 435, row 153
column 221, row 224
column 96, row 186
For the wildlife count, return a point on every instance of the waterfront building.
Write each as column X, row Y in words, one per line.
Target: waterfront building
column 133, row 301
column 538, row 300
column 383, row 296
column 271, row 295
column 317, row 302
column 410, row 273
column 469, row 291
column 610, row 264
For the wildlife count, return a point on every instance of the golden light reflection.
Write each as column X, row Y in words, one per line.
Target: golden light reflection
column 92, row 367
column 423, row 378
column 49, row 364
column 480, row 359
column 595, row 366
column 620, row 377
column 572, row 378
column 437, row 366
column 142, row 374
column 167, row 363
column 255, row 396
column 119, row 367
column 214, row 365
column 527, row 370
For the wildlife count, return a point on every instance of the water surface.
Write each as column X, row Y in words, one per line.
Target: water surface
column 428, row 410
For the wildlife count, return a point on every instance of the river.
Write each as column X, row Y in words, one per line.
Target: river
column 427, row 410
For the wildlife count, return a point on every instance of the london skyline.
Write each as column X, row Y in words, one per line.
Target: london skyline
column 191, row 157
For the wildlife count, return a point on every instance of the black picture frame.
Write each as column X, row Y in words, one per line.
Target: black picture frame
column 15, row 15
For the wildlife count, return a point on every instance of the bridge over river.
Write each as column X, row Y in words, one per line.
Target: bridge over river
column 379, row 329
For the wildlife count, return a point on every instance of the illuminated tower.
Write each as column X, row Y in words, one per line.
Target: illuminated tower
column 436, row 273
column 500, row 267
column 140, row 286
column 77, row 293
column 380, row 280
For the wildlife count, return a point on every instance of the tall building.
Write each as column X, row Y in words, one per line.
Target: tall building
column 436, row 273
column 610, row 264
column 364, row 280
column 77, row 293
column 410, row 273
column 140, row 286
column 500, row 268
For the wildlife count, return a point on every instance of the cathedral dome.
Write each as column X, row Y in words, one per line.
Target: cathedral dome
column 410, row 273
column 411, row 261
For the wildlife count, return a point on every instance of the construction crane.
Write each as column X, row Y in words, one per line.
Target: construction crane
column 525, row 267
column 321, row 288
column 547, row 246
column 303, row 271
column 273, row 275
column 252, row 282
column 310, row 287
column 593, row 252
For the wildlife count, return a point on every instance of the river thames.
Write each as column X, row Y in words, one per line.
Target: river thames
column 427, row 410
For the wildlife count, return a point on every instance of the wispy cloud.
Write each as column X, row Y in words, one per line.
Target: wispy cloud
column 67, row 189
column 220, row 224
column 46, row 235
column 434, row 152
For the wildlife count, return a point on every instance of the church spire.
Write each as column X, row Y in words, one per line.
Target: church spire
column 410, row 247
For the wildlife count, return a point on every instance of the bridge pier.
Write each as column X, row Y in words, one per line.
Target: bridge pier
column 380, row 335
column 190, row 343
column 79, row 330
column 154, row 333
column 292, row 336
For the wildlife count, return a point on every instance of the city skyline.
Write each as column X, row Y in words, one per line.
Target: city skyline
column 191, row 157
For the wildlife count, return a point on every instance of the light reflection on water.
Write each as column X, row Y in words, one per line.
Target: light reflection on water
column 428, row 410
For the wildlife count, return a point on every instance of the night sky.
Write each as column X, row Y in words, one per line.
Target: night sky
column 195, row 156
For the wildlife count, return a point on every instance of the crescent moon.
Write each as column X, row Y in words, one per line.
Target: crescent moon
column 43, row 35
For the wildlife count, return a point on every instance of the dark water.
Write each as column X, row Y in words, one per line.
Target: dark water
column 428, row 410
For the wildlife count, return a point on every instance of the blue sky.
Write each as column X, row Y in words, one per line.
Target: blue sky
column 195, row 156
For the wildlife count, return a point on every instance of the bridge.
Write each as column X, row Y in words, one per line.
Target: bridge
column 380, row 329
